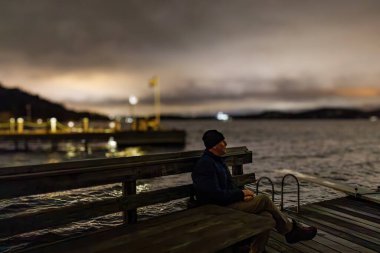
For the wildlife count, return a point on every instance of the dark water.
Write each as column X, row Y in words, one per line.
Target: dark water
column 347, row 151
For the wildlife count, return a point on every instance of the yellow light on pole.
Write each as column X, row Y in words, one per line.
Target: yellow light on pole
column 12, row 124
column 85, row 125
column 53, row 125
column 20, row 125
column 154, row 83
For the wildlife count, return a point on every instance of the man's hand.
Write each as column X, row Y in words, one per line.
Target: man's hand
column 248, row 194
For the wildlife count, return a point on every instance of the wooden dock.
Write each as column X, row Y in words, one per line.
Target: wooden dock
column 349, row 224
column 344, row 225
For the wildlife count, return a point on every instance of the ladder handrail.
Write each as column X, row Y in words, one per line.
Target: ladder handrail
column 270, row 181
column 298, row 192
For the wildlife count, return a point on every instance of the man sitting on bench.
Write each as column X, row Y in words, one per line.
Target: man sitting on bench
column 213, row 185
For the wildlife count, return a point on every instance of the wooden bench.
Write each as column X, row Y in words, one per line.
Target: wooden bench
column 210, row 227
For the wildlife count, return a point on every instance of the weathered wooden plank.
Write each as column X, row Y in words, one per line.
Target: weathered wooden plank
column 319, row 246
column 238, row 159
column 332, row 228
column 355, row 203
column 344, row 217
column 333, row 245
column 43, row 182
column 13, row 170
column 340, row 241
column 299, row 246
column 344, row 224
column 360, row 213
column 360, row 208
column 281, row 246
column 53, row 217
column 269, row 249
column 151, row 236
column 190, row 238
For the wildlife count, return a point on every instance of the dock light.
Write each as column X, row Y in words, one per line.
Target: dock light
column 133, row 100
column 129, row 120
column 112, row 124
column 111, row 144
column 53, row 125
column 222, row 116
column 70, row 124
column 20, row 125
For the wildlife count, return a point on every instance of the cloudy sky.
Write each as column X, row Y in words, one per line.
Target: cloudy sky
column 221, row 55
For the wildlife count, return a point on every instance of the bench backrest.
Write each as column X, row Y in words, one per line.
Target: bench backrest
column 48, row 178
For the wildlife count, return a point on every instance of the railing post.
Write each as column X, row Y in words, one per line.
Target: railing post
column 237, row 170
column 20, row 125
column 298, row 192
column 86, row 145
column 129, row 188
column 85, row 125
column 53, row 125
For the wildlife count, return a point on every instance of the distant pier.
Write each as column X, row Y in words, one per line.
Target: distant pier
column 142, row 134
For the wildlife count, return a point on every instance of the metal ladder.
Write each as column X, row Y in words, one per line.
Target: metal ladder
column 282, row 189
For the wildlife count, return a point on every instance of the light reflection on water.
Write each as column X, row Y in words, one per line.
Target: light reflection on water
column 132, row 151
column 346, row 151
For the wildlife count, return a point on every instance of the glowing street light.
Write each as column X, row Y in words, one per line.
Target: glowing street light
column 20, row 125
column 222, row 116
column 71, row 124
column 53, row 125
column 133, row 102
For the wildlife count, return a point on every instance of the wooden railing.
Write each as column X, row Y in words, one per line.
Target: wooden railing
column 48, row 178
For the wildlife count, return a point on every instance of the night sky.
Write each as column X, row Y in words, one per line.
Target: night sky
column 222, row 55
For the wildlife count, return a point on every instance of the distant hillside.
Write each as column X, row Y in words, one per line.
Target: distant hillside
column 14, row 103
column 321, row 113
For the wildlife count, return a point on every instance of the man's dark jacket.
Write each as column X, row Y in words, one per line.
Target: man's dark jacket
column 212, row 181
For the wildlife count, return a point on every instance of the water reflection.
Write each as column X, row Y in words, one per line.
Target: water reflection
column 131, row 151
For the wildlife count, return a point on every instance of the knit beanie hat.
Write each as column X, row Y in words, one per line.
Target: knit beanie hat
column 211, row 138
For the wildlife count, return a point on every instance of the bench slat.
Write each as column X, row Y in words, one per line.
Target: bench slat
column 60, row 180
column 14, row 170
column 192, row 229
